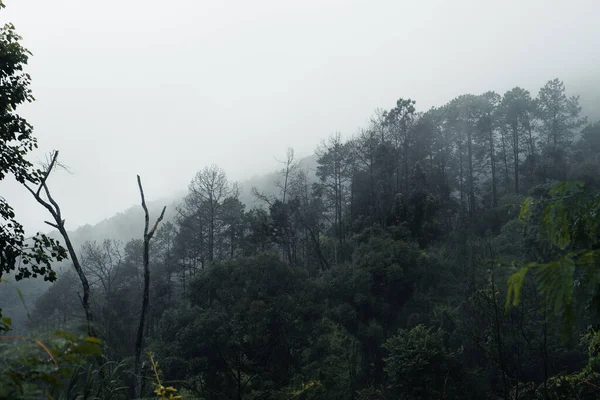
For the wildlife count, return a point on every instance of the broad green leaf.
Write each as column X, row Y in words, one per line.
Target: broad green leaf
column 66, row 335
column 525, row 213
column 515, row 283
column 87, row 349
column 556, row 283
column 91, row 339
column 556, row 225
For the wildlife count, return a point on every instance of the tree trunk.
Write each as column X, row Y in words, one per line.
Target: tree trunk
column 471, row 179
column 146, row 297
column 505, row 159
column 52, row 206
column 493, row 164
column 498, row 331
column 461, row 177
column 545, row 352
column 531, row 150
column 515, row 129
column 211, row 232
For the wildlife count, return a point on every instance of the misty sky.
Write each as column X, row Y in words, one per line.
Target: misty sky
column 163, row 88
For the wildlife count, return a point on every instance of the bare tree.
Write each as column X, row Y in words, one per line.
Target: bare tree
column 334, row 172
column 290, row 165
column 311, row 213
column 261, row 196
column 208, row 189
column 59, row 223
column 287, row 175
column 146, row 299
column 283, row 181
column 232, row 221
column 102, row 263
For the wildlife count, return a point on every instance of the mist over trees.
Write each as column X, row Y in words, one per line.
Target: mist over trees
column 380, row 273
column 447, row 253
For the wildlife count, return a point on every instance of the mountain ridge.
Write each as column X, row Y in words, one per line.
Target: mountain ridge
column 129, row 223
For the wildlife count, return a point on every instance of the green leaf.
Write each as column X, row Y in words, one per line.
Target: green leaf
column 515, row 283
column 91, row 339
column 556, row 225
column 586, row 258
column 567, row 188
column 556, row 282
column 525, row 213
column 88, row 349
column 66, row 335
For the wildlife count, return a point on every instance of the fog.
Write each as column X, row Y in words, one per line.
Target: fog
column 162, row 89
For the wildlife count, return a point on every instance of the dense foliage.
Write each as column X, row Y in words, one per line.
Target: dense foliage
column 434, row 255
column 31, row 257
column 382, row 274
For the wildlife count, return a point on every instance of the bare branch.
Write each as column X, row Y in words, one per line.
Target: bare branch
column 261, row 196
column 51, row 224
column 53, row 208
column 139, row 181
column 146, row 296
column 47, row 172
column 162, row 214
column 54, row 203
column 146, row 216
column 40, row 200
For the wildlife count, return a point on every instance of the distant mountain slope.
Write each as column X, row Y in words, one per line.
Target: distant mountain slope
column 129, row 224
column 588, row 90
column 123, row 226
column 267, row 183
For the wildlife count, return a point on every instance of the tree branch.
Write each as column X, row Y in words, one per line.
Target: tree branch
column 53, row 208
column 51, row 224
column 162, row 214
column 146, row 295
column 47, row 172
column 54, row 203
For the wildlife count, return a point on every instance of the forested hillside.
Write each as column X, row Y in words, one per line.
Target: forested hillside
column 443, row 253
column 121, row 228
column 385, row 278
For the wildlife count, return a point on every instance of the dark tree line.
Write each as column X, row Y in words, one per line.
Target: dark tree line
column 380, row 274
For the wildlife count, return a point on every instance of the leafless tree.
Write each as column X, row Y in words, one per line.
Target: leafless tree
column 102, row 263
column 290, row 166
column 146, row 298
column 42, row 196
column 310, row 216
column 334, row 172
column 208, row 189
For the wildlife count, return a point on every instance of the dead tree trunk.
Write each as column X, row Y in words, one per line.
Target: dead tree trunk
column 146, row 298
column 52, row 206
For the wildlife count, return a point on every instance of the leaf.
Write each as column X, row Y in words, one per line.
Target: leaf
column 591, row 269
column 24, row 304
column 556, row 225
column 525, row 213
column 556, row 282
column 66, row 335
column 87, row 349
column 558, row 189
column 586, row 258
column 91, row 339
column 515, row 283
column 567, row 188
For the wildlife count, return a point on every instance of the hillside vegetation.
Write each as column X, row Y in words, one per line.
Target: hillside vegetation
column 449, row 253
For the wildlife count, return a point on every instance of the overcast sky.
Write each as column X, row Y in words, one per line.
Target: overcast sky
column 163, row 88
